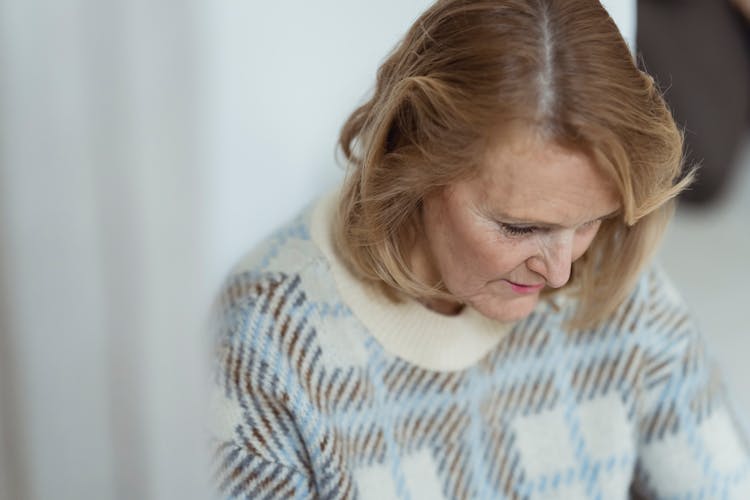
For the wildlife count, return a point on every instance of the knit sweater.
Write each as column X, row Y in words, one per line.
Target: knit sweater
column 325, row 389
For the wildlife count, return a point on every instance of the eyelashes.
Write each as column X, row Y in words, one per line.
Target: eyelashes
column 512, row 230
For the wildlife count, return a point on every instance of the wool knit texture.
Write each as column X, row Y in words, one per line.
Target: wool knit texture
column 325, row 389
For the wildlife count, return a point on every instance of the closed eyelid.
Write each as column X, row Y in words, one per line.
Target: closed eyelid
column 519, row 230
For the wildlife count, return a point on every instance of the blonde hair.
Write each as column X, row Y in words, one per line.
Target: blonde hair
column 464, row 72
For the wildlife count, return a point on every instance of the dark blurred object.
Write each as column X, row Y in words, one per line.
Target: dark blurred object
column 699, row 53
column 743, row 6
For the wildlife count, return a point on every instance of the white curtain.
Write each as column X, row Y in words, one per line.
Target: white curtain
column 144, row 145
column 104, row 248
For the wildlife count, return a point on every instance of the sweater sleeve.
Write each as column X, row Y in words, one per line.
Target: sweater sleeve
column 258, row 448
column 690, row 444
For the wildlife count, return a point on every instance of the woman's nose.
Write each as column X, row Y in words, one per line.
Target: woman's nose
column 554, row 259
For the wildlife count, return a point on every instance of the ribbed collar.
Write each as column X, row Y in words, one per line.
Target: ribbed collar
column 408, row 330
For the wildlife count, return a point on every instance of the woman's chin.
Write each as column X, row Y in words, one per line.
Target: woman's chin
column 506, row 310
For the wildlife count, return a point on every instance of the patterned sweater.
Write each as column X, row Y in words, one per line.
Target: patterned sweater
column 327, row 390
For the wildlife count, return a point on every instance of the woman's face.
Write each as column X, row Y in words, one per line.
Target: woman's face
column 498, row 239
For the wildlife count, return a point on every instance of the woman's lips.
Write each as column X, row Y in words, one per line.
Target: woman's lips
column 525, row 289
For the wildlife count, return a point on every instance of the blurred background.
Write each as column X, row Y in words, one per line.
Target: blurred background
column 145, row 145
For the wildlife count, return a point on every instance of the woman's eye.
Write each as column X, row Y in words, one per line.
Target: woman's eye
column 517, row 230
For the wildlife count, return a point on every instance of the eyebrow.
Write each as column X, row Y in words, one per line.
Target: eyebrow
column 509, row 219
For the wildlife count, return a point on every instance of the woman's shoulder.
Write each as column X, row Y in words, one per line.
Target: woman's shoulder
column 656, row 330
column 653, row 303
column 287, row 263
column 287, row 250
column 285, row 266
column 664, row 314
column 652, row 324
column 282, row 301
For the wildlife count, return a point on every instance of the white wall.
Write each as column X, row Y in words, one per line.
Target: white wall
column 625, row 14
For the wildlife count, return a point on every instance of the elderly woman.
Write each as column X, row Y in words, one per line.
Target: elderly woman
column 473, row 314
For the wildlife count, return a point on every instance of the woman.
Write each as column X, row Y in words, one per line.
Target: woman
column 473, row 314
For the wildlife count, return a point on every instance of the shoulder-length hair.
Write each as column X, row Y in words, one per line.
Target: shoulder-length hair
column 465, row 71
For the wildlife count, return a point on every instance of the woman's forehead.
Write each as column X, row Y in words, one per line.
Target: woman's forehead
column 532, row 179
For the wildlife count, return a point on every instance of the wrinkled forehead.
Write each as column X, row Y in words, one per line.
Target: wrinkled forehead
column 535, row 178
column 524, row 147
